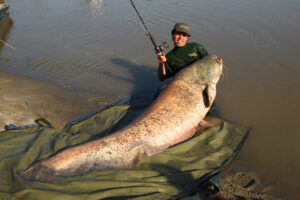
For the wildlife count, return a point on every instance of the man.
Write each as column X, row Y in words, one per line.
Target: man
column 181, row 55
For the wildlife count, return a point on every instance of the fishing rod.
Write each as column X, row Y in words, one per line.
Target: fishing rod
column 157, row 48
column 11, row 47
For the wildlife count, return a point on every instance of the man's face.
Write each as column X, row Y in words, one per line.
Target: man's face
column 180, row 39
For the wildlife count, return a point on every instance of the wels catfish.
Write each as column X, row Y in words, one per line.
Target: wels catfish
column 171, row 119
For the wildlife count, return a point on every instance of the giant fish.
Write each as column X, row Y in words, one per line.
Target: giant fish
column 171, row 119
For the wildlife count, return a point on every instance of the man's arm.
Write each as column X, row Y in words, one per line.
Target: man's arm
column 161, row 72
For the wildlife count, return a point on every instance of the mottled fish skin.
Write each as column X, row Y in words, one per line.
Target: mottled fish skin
column 171, row 119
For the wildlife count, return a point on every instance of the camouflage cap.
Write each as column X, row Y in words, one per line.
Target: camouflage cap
column 182, row 27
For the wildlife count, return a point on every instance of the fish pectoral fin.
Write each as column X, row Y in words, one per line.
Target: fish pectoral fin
column 206, row 124
column 207, row 97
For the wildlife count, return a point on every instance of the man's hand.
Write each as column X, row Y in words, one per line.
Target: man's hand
column 161, row 71
column 161, row 57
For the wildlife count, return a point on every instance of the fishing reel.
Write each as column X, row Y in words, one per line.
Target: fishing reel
column 161, row 48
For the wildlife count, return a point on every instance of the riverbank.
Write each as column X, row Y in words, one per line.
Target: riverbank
column 24, row 99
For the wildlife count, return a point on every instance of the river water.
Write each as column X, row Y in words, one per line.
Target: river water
column 98, row 48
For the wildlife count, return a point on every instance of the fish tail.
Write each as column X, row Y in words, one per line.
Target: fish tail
column 38, row 172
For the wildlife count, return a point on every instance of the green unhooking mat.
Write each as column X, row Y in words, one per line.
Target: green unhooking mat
column 175, row 173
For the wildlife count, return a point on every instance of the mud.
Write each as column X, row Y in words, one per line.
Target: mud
column 241, row 185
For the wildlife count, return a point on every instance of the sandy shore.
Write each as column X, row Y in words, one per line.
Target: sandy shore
column 24, row 99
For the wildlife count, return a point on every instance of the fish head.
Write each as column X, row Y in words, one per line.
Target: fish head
column 205, row 71
column 208, row 70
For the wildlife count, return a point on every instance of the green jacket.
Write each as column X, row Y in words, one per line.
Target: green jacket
column 179, row 57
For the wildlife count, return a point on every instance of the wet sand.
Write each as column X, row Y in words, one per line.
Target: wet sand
column 24, row 99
